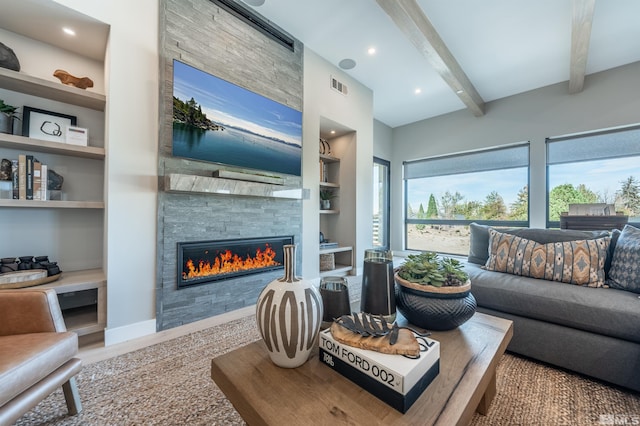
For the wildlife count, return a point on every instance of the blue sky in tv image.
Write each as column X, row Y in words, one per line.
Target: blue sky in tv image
column 259, row 133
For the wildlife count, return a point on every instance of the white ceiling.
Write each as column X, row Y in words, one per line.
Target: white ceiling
column 44, row 19
column 504, row 47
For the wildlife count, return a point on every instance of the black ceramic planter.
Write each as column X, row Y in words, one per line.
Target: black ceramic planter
column 433, row 310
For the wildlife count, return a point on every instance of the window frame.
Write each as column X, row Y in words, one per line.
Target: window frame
column 559, row 139
column 386, row 239
column 466, row 222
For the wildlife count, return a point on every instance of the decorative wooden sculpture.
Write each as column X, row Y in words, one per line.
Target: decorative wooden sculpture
column 68, row 79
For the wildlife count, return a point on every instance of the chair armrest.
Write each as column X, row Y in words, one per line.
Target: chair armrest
column 30, row 311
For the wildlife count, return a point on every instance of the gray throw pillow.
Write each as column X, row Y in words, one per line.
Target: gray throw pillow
column 625, row 266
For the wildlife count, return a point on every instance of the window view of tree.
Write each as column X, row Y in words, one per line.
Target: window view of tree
column 454, row 201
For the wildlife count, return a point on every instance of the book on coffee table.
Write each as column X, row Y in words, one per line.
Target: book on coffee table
column 395, row 379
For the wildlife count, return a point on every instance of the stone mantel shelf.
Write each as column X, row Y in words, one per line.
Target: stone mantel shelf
column 181, row 183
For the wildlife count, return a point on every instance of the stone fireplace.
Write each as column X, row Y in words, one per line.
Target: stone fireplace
column 207, row 37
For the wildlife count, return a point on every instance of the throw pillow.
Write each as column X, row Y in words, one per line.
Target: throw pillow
column 625, row 266
column 578, row 262
column 479, row 238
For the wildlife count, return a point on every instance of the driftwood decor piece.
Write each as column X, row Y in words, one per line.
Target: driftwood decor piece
column 405, row 341
column 70, row 80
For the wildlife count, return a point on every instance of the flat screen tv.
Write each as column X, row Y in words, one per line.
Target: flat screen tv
column 220, row 122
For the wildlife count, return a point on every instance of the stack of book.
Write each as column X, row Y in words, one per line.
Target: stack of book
column 397, row 380
column 29, row 178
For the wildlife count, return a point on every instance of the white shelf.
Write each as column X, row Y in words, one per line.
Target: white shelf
column 37, row 145
column 52, row 204
column 20, row 82
column 181, row 183
column 335, row 250
column 329, row 185
column 338, row 270
column 329, row 158
column 87, row 319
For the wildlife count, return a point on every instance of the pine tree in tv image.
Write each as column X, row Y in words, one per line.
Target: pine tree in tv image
column 220, row 122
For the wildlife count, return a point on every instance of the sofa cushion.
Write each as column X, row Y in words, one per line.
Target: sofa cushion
column 25, row 359
column 625, row 265
column 610, row 312
column 479, row 238
column 578, row 262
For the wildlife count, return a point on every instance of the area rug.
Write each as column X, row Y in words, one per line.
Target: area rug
column 170, row 384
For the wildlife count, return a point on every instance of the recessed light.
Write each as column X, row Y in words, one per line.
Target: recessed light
column 371, row 51
column 347, row 64
column 459, row 92
column 69, row 31
column 418, row 91
column 333, row 132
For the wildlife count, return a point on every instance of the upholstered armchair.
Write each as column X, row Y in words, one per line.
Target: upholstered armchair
column 36, row 353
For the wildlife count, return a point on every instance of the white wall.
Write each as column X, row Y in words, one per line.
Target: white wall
column 609, row 99
column 382, row 140
column 131, row 87
column 354, row 111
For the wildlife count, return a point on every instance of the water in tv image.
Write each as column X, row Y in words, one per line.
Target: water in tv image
column 219, row 122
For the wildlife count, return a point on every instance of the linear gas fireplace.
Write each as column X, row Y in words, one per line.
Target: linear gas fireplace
column 206, row 261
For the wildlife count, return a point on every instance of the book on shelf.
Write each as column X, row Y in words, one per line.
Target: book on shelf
column 22, row 177
column 37, row 180
column 14, row 179
column 29, row 177
column 44, row 191
column 324, row 246
column 397, row 380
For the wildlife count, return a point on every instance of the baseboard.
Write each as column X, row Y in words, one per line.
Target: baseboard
column 129, row 332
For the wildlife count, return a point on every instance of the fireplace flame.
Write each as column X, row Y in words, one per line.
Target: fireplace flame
column 228, row 262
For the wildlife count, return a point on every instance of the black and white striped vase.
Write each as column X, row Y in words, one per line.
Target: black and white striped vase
column 289, row 315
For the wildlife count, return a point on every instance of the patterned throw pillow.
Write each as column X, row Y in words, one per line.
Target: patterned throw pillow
column 578, row 262
column 625, row 266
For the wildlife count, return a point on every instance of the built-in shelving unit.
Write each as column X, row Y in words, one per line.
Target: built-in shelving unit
column 343, row 260
column 330, row 180
column 82, row 292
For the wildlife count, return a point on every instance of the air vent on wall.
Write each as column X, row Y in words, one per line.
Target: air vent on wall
column 256, row 22
column 338, row 86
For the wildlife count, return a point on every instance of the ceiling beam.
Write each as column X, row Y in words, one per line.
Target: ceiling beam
column 581, row 20
column 415, row 25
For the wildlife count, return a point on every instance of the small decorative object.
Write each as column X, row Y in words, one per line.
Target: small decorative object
column 70, row 80
column 325, row 199
column 54, row 180
column 5, row 169
column 335, row 299
column 76, row 135
column 8, row 264
column 377, row 284
column 325, row 148
column 8, row 58
column 370, row 332
column 46, row 125
column 7, row 116
column 434, row 293
column 289, row 314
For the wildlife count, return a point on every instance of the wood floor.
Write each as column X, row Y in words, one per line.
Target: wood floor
column 94, row 352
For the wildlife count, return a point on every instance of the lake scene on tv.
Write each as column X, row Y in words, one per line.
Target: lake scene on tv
column 220, row 122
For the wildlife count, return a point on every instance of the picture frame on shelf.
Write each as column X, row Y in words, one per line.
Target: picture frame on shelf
column 46, row 125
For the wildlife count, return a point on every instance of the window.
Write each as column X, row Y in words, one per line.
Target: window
column 443, row 195
column 381, row 200
column 599, row 167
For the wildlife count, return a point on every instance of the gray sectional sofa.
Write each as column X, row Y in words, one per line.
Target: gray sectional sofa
column 592, row 331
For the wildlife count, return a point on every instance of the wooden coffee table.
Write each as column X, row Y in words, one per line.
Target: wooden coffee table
column 265, row 394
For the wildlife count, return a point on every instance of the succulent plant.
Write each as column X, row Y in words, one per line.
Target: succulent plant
column 428, row 268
